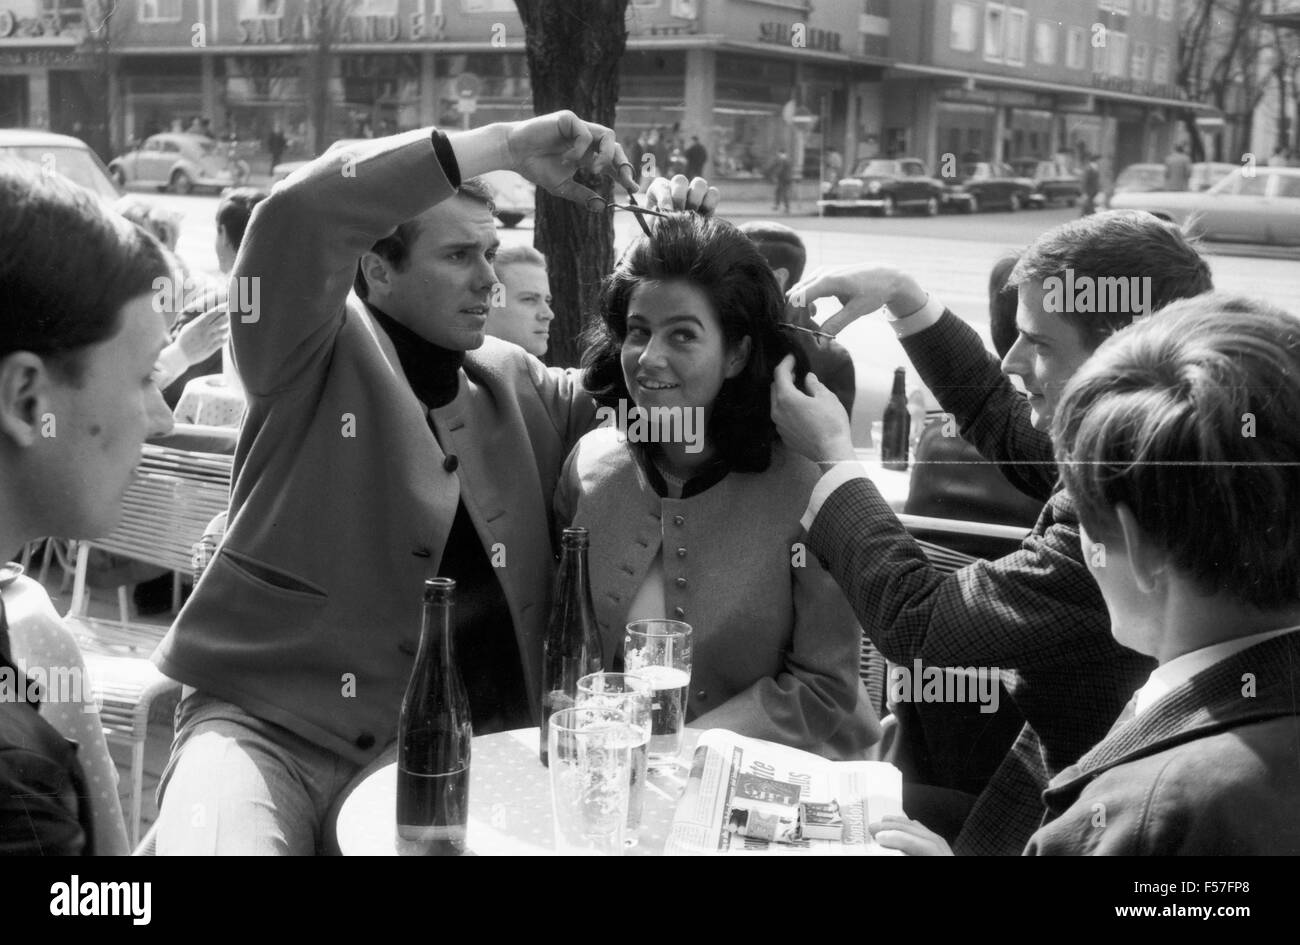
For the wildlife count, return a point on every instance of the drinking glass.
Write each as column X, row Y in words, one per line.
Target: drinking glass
column 632, row 696
column 660, row 651
column 590, row 769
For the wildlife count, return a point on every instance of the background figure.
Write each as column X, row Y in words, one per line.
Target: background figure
column 1091, row 185
column 696, row 157
column 833, row 166
column 786, row 256
column 525, row 318
column 275, row 143
column 781, row 173
column 1178, row 168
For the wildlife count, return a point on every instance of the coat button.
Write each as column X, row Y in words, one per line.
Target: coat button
column 450, row 463
column 681, row 582
column 701, row 694
column 679, row 612
column 678, row 520
column 365, row 740
column 681, row 552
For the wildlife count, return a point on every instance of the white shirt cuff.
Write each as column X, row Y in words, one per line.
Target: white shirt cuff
column 171, row 364
column 923, row 318
column 836, row 477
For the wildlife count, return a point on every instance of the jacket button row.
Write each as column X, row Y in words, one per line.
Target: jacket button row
column 679, row 520
column 681, row 582
column 365, row 740
column 451, row 463
column 681, row 552
column 679, row 613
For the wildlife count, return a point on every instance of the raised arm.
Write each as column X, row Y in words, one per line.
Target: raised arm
column 298, row 260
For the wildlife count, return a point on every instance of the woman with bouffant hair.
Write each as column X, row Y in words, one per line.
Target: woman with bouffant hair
column 694, row 515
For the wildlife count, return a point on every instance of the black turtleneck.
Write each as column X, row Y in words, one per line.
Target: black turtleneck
column 487, row 653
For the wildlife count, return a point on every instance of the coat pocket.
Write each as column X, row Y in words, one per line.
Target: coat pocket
column 267, row 578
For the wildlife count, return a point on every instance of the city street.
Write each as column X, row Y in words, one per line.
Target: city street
column 950, row 255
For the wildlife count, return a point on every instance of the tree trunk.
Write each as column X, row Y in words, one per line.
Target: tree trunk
column 573, row 50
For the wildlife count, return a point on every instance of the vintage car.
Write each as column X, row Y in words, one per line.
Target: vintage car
column 1145, row 178
column 62, row 154
column 982, row 185
column 180, row 163
column 884, row 186
column 1251, row 205
column 1051, row 182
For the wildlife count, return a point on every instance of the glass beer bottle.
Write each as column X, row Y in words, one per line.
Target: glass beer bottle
column 572, row 647
column 433, row 737
column 897, row 425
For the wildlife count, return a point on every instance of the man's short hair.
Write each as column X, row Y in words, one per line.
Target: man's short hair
column 235, row 208
column 396, row 248
column 521, row 253
column 1189, row 418
column 67, row 267
column 1116, row 244
column 779, row 245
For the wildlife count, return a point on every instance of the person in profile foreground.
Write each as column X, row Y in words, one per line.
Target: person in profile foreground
column 1178, row 443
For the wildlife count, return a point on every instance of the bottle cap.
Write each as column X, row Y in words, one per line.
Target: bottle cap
column 575, row 536
column 439, row 590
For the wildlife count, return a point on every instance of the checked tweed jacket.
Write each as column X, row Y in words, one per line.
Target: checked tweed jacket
column 1036, row 614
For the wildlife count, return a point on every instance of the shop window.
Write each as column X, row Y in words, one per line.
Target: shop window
column 1075, row 44
column 961, row 36
column 1160, row 70
column 1141, row 57
column 375, row 8
column 995, row 17
column 488, row 6
column 1015, row 38
column 160, row 11
column 1045, row 42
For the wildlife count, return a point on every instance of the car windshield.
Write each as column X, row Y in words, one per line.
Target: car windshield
column 976, row 170
column 76, row 165
column 208, row 148
column 876, row 168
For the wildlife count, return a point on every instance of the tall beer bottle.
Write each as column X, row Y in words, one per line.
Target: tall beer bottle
column 897, row 425
column 572, row 646
column 433, row 737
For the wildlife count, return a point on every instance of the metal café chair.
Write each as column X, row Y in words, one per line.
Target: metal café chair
column 166, row 510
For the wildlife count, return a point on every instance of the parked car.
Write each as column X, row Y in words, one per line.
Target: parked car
column 63, row 154
column 1051, row 184
column 285, row 168
column 985, row 184
column 1145, row 178
column 1262, row 206
column 885, row 186
column 179, row 163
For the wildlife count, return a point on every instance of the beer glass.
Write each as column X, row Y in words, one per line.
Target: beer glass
column 660, row 651
column 631, row 695
column 590, row 769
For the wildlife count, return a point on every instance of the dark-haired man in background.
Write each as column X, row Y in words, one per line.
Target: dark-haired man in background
column 1035, row 615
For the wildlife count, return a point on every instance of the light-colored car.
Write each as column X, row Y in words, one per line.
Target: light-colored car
column 1256, row 205
column 65, row 155
column 1144, row 178
column 179, row 163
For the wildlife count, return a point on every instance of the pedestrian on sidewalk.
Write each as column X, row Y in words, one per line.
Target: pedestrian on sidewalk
column 780, row 173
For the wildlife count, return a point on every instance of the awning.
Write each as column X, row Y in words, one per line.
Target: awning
column 1034, row 85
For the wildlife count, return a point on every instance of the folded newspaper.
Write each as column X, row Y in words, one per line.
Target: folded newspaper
column 749, row 796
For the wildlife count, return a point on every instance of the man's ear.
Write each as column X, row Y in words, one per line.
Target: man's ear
column 1147, row 559
column 782, row 277
column 376, row 271
column 24, row 396
column 739, row 357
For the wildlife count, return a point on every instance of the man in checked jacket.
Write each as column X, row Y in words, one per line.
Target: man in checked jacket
column 1037, row 614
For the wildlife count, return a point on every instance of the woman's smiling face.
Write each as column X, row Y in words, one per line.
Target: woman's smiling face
column 675, row 353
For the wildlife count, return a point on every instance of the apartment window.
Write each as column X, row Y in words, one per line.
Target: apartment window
column 1017, row 21
column 1166, row 10
column 1118, row 60
column 254, row 9
column 1099, row 58
column 488, row 6
column 1044, row 42
column 1141, row 57
column 160, row 11
column 1121, row 7
column 961, row 35
column 1160, row 71
column 374, row 8
column 1075, row 45
column 995, row 21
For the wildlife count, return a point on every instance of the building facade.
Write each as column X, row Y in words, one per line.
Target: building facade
column 1005, row 79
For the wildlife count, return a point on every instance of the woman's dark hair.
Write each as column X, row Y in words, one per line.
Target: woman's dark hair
column 1003, row 301
column 721, row 261
column 67, row 267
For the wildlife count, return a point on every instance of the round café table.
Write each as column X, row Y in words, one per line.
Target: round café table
column 211, row 401
column 509, row 802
